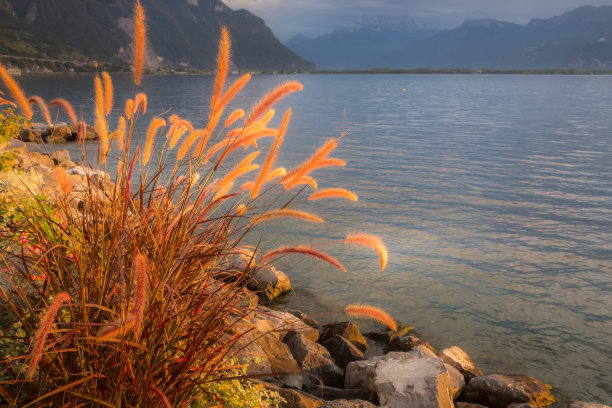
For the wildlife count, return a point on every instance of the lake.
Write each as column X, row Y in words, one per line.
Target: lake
column 492, row 193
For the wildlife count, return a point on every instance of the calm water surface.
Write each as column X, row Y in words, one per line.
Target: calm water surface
column 493, row 194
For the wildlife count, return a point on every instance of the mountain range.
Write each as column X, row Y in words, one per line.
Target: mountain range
column 183, row 34
column 576, row 39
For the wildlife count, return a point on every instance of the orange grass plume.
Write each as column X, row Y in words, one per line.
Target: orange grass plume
column 303, row 250
column 63, row 180
column 140, row 41
column 140, row 290
column 223, row 61
column 60, row 102
column 271, row 98
column 233, row 117
column 43, row 330
column 333, row 193
column 108, row 93
column 370, row 241
column 40, row 102
column 371, row 312
column 289, row 213
column 156, row 123
column 18, row 94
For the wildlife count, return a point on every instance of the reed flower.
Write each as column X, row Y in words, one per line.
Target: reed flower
column 370, row 241
column 333, row 193
column 121, row 131
column 303, row 250
column 43, row 330
column 223, row 60
column 156, row 123
column 40, row 102
column 371, row 312
column 140, row 41
column 233, row 117
column 271, row 98
column 16, row 91
column 63, row 180
column 314, row 162
column 129, row 108
column 289, row 213
column 108, row 93
column 140, row 291
column 60, row 102
column 141, row 101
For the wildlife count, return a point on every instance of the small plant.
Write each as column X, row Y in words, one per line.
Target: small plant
column 132, row 303
column 7, row 161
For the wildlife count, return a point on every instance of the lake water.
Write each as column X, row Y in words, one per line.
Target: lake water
column 493, row 194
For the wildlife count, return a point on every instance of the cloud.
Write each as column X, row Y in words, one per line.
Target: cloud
column 316, row 17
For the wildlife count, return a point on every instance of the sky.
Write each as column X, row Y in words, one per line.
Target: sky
column 316, row 17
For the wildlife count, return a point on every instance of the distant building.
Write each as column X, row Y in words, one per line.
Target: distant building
column 14, row 71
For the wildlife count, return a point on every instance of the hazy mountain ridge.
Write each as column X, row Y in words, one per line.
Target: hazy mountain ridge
column 575, row 39
column 182, row 33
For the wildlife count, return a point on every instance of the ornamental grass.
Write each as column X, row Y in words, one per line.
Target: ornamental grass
column 119, row 295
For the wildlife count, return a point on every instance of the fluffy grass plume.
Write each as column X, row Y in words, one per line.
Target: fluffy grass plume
column 271, row 98
column 42, row 106
column 15, row 90
column 287, row 213
column 295, row 176
column 140, row 41
column 370, row 241
column 233, row 117
column 108, row 93
column 371, row 312
column 43, row 330
column 121, row 130
column 140, row 102
column 223, row 61
column 63, row 180
column 156, row 123
column 333, row 193
column 140, row 291
column 99, row 91
column 60, row 102
column 303, row 250
column 272, row 155
column 129, row 108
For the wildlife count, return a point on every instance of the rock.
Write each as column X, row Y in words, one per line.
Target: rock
column 408, row 343
column 348, row 404
column 16, row 145
column 305, row 318
column 60, row 134
column 60, row 157
column 90, row 133
column 342, row 350
column 286, row 322
column 499, row 391
column 315, row 361
column 282, row 363
column 457, row 381
column 68, row 164
column 468, row 405
column 461, row 361
column 582, row 404
column 389, row 335
column 333, row 393
column 31, row 135
column 269, row 283
column 41, row 159
column 294, row 398
column 361, row 374
column 347, row 330
column 522, row 405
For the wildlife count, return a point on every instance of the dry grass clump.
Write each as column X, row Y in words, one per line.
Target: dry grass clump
column 129, row 306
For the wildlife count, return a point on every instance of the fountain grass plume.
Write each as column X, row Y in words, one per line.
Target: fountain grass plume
column 43, row 331
column 371, row 312
column 155, row 125
column 303, row 250
column 140, row 291
column 233, row 117
column 108, row 93
column 333, row 193
column 140, row 41
column 60, row 102
column 271, row 98
column 223, row 61
column 15, row 90
column 63, row 180
column 370, row 241
column 287, row 213
column 44, row 110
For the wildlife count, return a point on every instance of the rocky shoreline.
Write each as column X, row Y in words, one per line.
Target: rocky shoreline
column 310, row 364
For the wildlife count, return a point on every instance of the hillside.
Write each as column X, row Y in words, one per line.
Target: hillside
column 183, row 33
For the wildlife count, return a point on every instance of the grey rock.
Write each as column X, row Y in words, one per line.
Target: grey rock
column 342, row 350
column 348, row 330
column 461, row 361
column 282, row 364
column 60, row 134
column 333, row 393
column 293, row 398
column 285, row 323
column 315, row 361
column 499, row 391
column 269, row 283
column 305, row 318
column 60, row 157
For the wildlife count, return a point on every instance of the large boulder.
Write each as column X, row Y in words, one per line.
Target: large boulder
column 468, row 405
column 499, row 391
column 461, row 361
column 582, row 404
column 293, row 398
column 413, row 379
column 348, row 404
column 269, row 283
column 285, row 323
column 60, row 134
column 457, row 381
column 315, row 361
column 343, row 351
column 282, row 365
column 348, row 330
column 333, row 393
